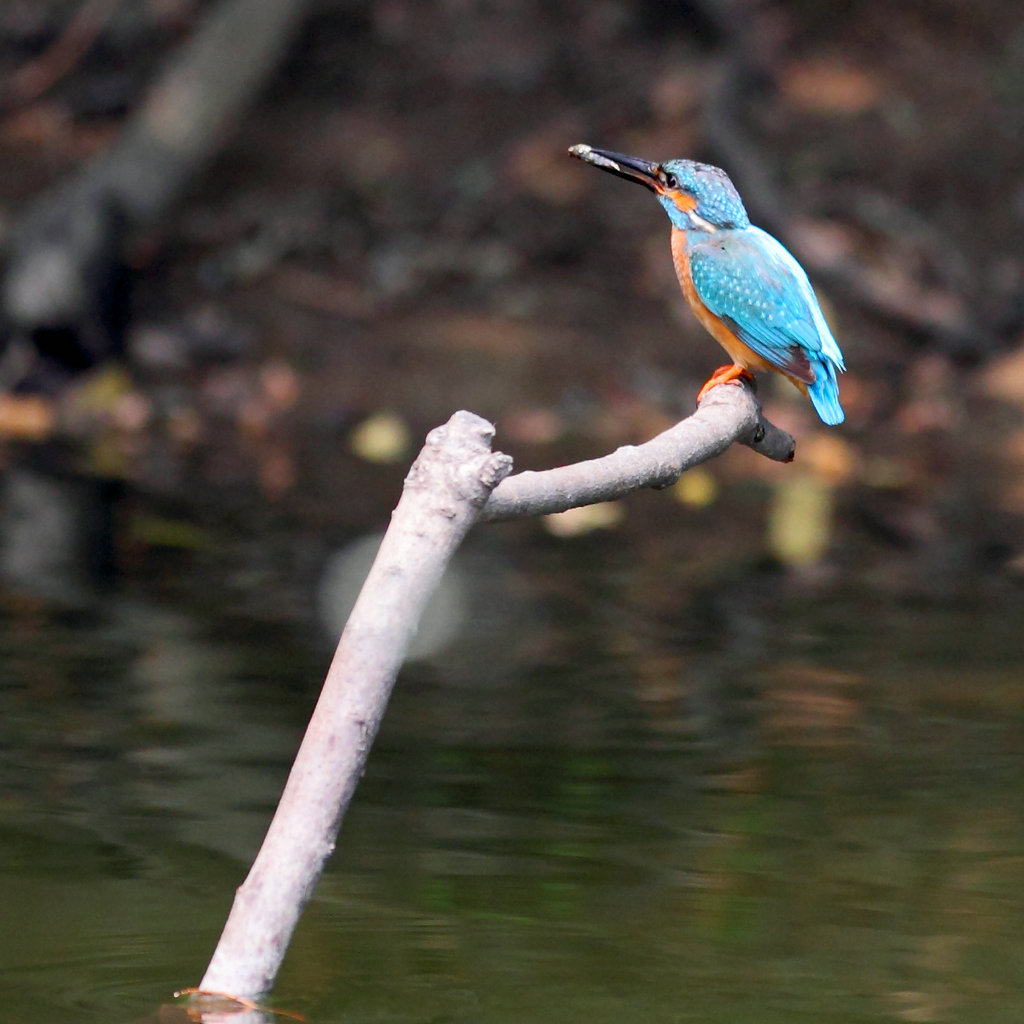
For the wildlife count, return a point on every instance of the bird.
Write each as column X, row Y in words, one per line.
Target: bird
column 746, row 289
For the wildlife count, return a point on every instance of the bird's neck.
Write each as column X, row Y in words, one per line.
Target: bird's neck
column 681, row 255
column 692, row 235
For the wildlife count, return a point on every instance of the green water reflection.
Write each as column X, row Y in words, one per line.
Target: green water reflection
column 662, row 833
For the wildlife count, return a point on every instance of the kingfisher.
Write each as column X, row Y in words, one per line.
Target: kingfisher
column 743, row 285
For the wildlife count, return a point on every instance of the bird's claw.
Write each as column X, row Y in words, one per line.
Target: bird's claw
column 731, row 374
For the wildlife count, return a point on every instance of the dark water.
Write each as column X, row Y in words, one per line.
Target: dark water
column 589, row 823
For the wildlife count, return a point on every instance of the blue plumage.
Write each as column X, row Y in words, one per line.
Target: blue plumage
column 716, row 197
column 751, row 282
column 743, row 284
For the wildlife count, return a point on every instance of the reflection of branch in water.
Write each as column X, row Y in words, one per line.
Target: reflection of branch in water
column 56, row 532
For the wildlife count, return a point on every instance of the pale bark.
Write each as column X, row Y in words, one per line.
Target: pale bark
column 727, row 415
column 443, row 494
column 455, row 480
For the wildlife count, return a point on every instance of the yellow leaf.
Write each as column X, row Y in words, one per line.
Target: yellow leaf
column 382, row 437
column 800, row 520
column 577, row 521
column 828, row 87
column 697, row 488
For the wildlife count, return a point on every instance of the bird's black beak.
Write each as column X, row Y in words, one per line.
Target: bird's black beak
column 632, row 168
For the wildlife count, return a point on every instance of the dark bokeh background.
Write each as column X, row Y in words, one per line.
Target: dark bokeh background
column 394, row 231
column 748, row 749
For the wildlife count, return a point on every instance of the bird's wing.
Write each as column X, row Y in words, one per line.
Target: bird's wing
column 751, row 281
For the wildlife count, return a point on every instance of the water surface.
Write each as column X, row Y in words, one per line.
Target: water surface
column 635, row 823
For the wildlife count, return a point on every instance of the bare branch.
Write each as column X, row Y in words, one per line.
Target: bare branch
column 444, row 491
column 726, row 415
column 70, row 237
column 455, row 478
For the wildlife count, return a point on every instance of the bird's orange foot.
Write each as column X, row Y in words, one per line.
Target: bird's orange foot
column 725, row 375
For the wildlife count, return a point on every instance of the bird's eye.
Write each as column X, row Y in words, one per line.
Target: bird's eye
column 671, row 181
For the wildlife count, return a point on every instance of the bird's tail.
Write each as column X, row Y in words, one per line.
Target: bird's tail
column 824, row 393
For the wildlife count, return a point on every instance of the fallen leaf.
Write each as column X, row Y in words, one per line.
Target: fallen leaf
column 697, row 488
column 382, row 438
column 827, row 87
column 26, row 417
column 800, row 520
column 829, row 456
column 1003, row 378
column 280, row 384
column 575, row 522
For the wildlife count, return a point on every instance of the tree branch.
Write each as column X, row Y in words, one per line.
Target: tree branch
column 444, row 491
column 726, row 415
column 70, row 237
column 455, row 480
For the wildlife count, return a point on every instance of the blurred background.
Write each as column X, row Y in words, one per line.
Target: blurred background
column 750, row 748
